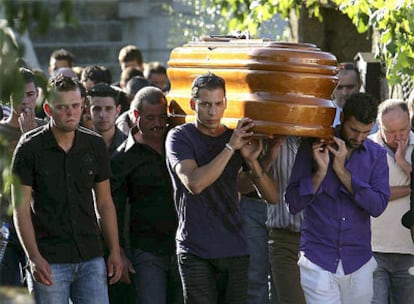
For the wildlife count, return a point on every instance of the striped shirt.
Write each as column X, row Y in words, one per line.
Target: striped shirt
column 5, row 111
column 278, row 215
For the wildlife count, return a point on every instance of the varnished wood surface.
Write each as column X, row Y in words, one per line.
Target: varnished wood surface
column 284, row 87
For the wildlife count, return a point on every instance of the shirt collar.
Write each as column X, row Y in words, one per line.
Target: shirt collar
column 49, row 140
column 130, row 141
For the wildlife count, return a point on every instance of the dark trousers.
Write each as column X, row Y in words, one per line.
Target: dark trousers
column 283, row 256
column 210, row 281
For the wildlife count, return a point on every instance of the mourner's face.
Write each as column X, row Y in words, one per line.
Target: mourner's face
column 159, row 80
column 28, row 102
column 395, row 128
column 152, row 121
column 354, row 132
column 209, row 109
column 104, row 113
column 348, row 84
column 66, row 110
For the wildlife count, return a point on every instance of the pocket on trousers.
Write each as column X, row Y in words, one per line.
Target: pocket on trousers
column 313, row 277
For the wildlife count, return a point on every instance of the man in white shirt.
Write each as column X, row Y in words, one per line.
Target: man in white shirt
column 391, row 242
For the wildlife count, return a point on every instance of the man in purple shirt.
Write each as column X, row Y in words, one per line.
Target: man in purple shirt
column 338, row 186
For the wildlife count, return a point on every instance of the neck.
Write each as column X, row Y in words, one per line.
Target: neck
column 108, row 136
column 63, row 138
column 156, row 144
column 210, row 132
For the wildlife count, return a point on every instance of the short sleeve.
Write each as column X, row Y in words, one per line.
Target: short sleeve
column 103, row 160
column 178, row 147
column 23, row 163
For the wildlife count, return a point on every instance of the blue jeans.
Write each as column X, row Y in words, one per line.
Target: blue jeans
column 83, row 283
column 254, row 215
column 157, row 280
column 211, row 281
column 392, row 279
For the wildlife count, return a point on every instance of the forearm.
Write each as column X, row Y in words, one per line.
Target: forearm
column 109, row 226
column 317, row 179
column 345, row 177
column 25, row 231
column 399, row 191
column 404, row 165
column 196, row 179
column 265, row 185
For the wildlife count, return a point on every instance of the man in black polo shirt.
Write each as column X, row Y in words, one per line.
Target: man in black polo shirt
column 58, row 166
column 140, row 177
column 105, row 108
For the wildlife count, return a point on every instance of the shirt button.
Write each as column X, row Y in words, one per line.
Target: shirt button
column 344, row 219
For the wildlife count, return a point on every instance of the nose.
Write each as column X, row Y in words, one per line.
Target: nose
column 212, row 110
column 361, row 137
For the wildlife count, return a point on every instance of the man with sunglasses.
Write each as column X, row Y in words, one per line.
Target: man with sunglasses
column 204, row 159
column 349, row 82
column 64, row 173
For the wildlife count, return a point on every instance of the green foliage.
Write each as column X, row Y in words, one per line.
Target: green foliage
column 218, row 19
column 19, row 16
column 9, row 52
column 393, row 20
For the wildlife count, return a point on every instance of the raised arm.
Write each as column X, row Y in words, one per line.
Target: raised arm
column 263, row 183
column 196, row 178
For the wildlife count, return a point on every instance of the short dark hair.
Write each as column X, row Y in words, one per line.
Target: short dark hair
column 104, row 90
column 28, row 75
column 362, row 106
column 96, row 74
column 135, row 84
column 154, row 67
column 151, row 95
column 207, row 81
column 62, row 54
column 129, row 53
column 60, row 83
column 130, row 72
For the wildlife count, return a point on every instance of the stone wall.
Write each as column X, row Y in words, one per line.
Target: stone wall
column 103, row 28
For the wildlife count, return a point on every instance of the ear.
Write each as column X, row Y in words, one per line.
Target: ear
column 225, row 102
column 192, row 104
column 87, row 109
column 118, row 110
column 341, row 117
column 47, row 109
column 136, row 114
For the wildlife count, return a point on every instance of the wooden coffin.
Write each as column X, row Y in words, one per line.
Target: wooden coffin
column 285, row 88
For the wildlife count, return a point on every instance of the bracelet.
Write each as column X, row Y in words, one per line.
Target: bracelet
column 254, row 176
column 229, row 147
